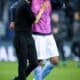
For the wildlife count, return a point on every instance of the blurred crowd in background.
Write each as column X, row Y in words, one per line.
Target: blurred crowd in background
column 65, row 23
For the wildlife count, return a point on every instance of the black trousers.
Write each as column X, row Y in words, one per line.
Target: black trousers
column 25, row 50
column 60, row 44
column 76, row 48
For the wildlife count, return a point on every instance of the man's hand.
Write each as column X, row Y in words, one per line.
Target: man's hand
column 12, row 25
column 44, row 5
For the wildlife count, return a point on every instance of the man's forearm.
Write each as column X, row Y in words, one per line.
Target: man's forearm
column 39, row 15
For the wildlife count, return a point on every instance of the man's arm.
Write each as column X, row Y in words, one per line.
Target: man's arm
column 42, row 8
column 12, row 15
column 32, row 17
column 39, row 15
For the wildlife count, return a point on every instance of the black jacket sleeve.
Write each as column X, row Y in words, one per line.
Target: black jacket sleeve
column 30, row 13
column 25, row 13
column 12, row 12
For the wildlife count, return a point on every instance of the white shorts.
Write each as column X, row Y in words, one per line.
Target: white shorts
column 45, row 46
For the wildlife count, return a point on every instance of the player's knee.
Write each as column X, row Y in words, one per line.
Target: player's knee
column 54, row 60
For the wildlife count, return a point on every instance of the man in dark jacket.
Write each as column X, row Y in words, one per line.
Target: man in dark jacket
column 21, row 22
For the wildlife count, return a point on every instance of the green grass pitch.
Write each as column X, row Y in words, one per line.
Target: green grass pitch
column 69, row 72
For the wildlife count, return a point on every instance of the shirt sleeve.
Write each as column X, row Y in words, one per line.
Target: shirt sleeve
column 12, row 12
